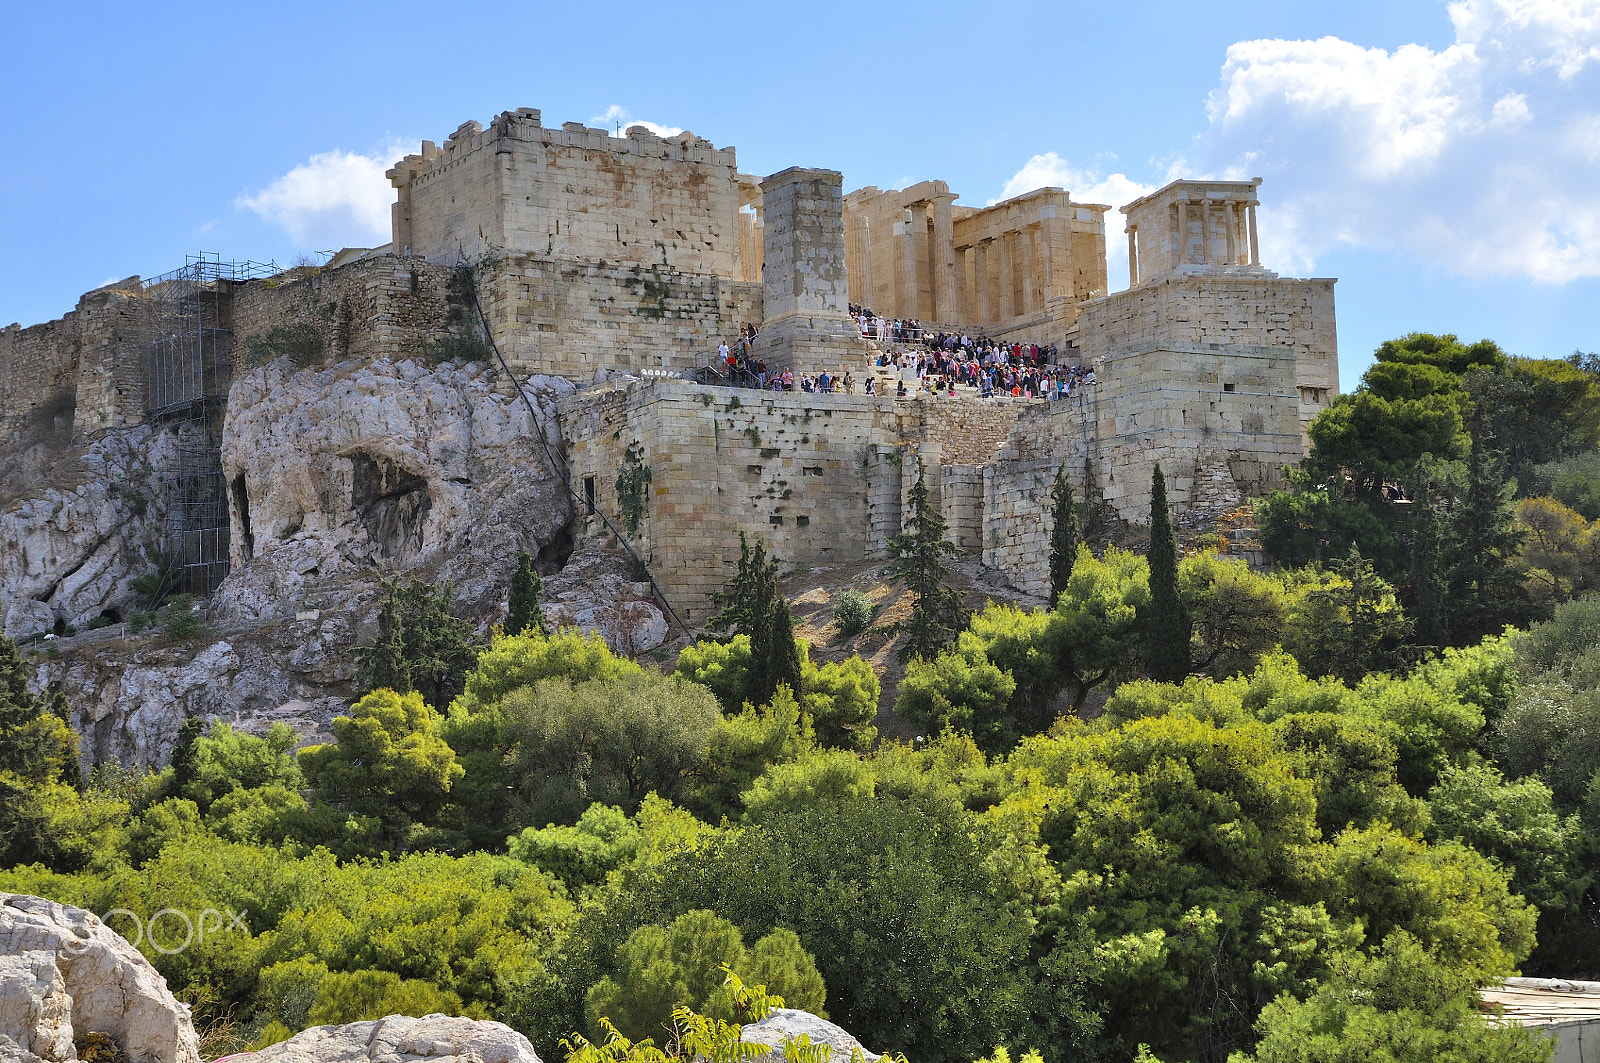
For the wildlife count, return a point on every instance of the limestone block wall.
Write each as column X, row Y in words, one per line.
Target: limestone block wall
column 968, row 430
column 387, row 306
column 85, row 368
column 1016, row 486
column 819, row 477
column 571, row 193
column 1189, row 406
column 1245, row 311
column 571, row 318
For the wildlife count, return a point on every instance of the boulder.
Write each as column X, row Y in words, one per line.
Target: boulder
column 65, row 975
column 401, row 1039
column 786, row 1024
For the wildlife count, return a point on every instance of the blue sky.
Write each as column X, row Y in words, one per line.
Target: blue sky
column 1443, row 161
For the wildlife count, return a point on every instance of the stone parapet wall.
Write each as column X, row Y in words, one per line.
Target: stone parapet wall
column 385, row 306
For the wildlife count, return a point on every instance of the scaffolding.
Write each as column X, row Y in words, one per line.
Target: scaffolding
column 188, row 332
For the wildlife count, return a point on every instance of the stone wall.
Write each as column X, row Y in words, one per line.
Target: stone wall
column 1295, row 316
column 572, row 318
column 84, row 370
column 817, row 476
column 1190, row 406
column 385, row 306
column 571, row 193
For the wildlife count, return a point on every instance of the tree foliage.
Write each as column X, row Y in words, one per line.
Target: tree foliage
column 918, row 563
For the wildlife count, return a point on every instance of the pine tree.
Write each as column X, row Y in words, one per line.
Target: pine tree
column 421, row 644
column 918, row 563
column 1168, row 632
column 752, row 604
column 1427, row 560
column 1484, row 589
column 1063, row 534
column 524, row 617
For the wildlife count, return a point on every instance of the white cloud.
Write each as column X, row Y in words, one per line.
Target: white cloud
column 617, row 120
column 335, row 199
column 1478, row 158
column 1086, row 186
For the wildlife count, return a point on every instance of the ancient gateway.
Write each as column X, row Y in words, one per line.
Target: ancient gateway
column 606, row 270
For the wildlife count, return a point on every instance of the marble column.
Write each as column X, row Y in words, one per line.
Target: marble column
column 964, row 288
column 1205, row 232
column 1133, row 256
column 1255, row 243
column 982, row 283
column 1230, row 217
column 1007, row 308
column 1178, row 248
column 944, row 261
column 906, row 281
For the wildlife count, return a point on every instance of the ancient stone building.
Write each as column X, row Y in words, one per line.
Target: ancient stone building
column 617, row 264
column 1016, row 270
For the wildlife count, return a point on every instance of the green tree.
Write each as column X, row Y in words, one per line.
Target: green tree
column 1427, row 578
column 1168, row 628
column 753, row 605
column 523, row 615
column 918, row 563
column 1097, row 623
column 223, row 760
column 659, row 968
column 1485, row 592
column 612, row 741
column 388, row 760
column 1400, row 1004
column 1237, row 614
column 1063, row 534
column 583, row 854
column 421, row 644
column 1342, row 622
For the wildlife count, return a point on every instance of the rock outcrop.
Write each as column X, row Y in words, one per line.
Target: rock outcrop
column 787, row 1024
column 368, row 469
column 71, row 542
column 64, row 975
column 597, row 592
column 400, row 1039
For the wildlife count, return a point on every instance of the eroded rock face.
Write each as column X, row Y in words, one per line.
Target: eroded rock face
column 64, row 974
column 786, row 1024
column 81, row 531
column 401, row 1039
column 386, row 468
column 596, row 592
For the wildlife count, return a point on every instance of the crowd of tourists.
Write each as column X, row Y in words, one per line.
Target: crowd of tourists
column 896, row 330
column 934, row 364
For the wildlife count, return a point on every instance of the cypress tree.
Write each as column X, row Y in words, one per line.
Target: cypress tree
column 1427, row 562
column 1485, row 591
column 1063, row 534
column 781, row 656
column 918, row 563
column 1168, row 631
column 524, row 617
column 384, row 663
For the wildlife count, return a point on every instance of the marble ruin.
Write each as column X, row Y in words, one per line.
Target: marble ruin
column 619, row 263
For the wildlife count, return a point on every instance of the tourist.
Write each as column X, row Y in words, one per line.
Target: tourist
column 871, row 386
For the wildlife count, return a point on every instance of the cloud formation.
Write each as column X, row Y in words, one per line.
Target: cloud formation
column 335, row 199
column 617, row 120
column 1480, row 159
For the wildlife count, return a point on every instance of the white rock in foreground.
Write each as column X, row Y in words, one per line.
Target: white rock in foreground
column 64, row 973
column 785, row 1024
column 401, row 1039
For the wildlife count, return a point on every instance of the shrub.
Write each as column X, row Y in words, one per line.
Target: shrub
column 852, row 612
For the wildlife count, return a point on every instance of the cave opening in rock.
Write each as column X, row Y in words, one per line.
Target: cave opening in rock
column 241, row 505
column 391, row 503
